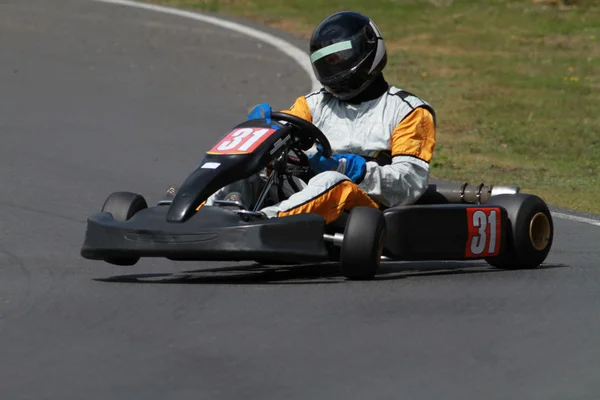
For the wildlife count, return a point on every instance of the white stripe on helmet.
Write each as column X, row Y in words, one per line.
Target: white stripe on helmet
column 380, row 47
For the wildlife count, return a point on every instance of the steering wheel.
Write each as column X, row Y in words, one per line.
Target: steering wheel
column 310, row 131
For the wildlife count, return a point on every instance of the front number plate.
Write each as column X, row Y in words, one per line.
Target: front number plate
column 241, row 141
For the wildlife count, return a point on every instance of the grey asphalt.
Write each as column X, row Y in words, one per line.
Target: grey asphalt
column 96, row 98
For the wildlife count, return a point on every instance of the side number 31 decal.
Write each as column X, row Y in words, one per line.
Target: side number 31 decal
column 484, row 232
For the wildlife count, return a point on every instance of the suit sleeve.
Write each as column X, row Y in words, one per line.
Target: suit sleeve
column 300, row 109
column 405, row 180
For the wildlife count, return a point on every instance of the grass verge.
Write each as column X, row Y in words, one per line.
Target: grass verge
column 516, row 83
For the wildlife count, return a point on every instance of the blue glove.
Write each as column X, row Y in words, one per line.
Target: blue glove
column 319, row 164
column 260, row 111
column 351, row 165
column 355, row 167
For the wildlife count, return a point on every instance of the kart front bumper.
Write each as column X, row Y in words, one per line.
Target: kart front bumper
column 212, row 234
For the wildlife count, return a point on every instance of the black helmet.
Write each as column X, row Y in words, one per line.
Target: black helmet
column 347, row 53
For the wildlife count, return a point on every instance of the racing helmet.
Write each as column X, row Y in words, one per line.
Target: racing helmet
column 347, row 53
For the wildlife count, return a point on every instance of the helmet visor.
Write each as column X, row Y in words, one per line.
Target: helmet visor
column 336, row 59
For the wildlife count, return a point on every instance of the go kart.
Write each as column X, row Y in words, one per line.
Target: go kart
column 451, row 221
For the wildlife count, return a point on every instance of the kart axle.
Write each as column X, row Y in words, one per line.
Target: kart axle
column 336, row 239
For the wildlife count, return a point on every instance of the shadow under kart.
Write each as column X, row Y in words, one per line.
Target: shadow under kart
column 451, row 221
column 303, row 274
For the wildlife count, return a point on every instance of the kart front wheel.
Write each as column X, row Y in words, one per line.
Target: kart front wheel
column 530, row 233
column 123, row 206
column 362, row 247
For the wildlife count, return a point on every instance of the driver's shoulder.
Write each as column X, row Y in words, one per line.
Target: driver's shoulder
column 407, row 102
column 410, row 99
column 402, row 95
column 316, row 97
column 315, row 101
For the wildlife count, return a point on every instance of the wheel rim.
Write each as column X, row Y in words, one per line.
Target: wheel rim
column 539, row 231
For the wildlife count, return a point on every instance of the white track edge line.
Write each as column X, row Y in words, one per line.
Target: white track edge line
column 282, row 45
column 576, row 218
column 287, row 48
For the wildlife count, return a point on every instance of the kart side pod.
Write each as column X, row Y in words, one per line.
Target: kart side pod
column 509, row 231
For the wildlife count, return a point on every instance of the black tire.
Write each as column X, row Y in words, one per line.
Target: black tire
column 530, row 234
column 123, row 206
column 364, row 239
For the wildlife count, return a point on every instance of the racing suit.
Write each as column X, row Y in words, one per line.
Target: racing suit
column 385, row 123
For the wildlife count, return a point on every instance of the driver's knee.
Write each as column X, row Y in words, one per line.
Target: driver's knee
column 327, row 179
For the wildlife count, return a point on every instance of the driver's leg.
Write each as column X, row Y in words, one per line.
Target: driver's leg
column 327, row 194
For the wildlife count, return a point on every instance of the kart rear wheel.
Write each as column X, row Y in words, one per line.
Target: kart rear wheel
column 364, row 239
column 530, row 233
column 123, row 206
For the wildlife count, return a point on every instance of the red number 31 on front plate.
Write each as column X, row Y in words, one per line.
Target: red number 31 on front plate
column 484, row 232
column 241, row 141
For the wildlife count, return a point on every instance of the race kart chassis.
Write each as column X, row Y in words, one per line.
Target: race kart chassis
column 450, row 221
column 435, row 229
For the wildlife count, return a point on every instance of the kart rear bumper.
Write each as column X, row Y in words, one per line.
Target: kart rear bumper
column 212, row 234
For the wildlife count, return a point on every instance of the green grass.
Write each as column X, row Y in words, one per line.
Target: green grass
column 516, row 83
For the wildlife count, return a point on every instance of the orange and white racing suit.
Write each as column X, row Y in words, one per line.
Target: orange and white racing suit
column 396, row 123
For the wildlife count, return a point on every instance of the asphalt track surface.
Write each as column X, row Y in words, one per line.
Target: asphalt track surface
column 97, row 98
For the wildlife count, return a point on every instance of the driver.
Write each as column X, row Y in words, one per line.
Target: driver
column 382, row 136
